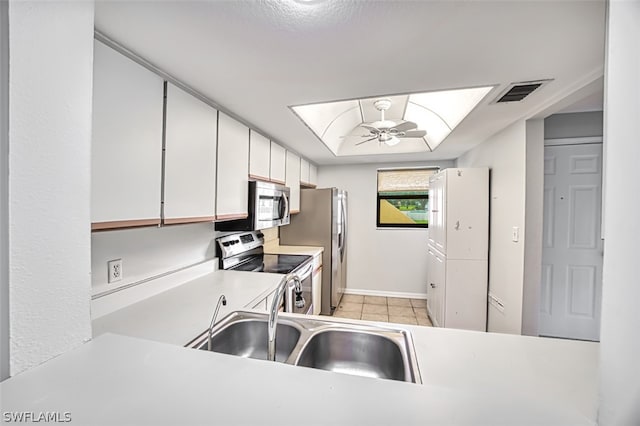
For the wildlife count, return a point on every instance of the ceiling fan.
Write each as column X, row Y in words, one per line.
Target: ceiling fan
column 388, row 131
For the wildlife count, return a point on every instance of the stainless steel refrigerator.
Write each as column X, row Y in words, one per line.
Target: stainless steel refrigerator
column 322, row 222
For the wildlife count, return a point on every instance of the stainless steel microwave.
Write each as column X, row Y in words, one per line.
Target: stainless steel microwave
column 268, row 207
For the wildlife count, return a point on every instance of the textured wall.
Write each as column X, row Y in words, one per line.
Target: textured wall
column 4, row 190
column 51, row 63
column 619, row 341
column 505, row 155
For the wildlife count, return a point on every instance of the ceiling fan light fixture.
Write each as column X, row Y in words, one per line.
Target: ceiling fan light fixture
column 392, row 141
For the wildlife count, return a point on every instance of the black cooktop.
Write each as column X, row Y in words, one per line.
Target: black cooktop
column 274, row 263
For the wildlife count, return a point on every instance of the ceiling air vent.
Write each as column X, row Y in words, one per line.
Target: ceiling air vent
column 516, row 92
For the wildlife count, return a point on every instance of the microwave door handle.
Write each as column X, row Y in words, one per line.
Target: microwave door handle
column 283, row 212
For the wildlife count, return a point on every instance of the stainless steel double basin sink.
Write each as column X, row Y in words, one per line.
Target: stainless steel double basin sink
column 343, row 347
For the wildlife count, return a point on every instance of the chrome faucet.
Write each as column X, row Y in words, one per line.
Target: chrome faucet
column 221, row 301
column 273, row 313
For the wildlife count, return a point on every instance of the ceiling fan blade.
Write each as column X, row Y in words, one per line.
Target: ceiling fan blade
column 373, row 138
column 407, row 125
column 413, row 134
column 372, row 129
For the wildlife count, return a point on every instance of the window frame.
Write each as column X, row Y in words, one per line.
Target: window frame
column 404, row 197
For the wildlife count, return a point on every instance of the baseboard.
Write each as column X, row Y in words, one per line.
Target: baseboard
column 382, row 293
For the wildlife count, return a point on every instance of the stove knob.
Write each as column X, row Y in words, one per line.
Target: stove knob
column 226, row 244
column 259, row 235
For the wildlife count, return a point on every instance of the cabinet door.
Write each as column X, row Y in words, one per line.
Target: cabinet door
column 437, row 210
column 467, row 212
column 126, row 145
column 293, row 181
column 232, row 193
column 313, row 175
column 436, row 290
column 190, row 159
column 259, row 156
column 278, row 164
column 304, row 172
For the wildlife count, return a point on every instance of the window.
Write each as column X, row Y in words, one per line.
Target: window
column 403, row 198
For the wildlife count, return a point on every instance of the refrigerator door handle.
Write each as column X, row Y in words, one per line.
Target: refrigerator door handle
column 343, row 234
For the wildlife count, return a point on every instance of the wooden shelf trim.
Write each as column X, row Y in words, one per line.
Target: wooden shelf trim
column 177, row 220
column 223, row 217
column 118, row 224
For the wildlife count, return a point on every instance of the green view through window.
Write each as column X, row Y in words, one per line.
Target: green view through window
column 403, row 198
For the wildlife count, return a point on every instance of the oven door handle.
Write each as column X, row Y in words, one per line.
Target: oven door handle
column 306, row 273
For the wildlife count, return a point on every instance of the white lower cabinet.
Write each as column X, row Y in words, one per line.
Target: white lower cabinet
column 457, row 292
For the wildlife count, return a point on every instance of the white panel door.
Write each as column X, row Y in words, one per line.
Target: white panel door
column 190, row 158
column 278, row 164
column 571, row 286
column 126, row 144
column 232, row 191
column 259, row 156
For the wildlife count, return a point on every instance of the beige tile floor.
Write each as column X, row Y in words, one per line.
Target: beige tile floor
column 385, row 309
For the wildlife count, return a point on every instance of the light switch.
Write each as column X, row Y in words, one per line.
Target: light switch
column 515, row 234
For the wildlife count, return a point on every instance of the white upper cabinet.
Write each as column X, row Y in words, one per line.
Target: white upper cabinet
column 126, row 147
column 278, row 163
column 259, row 156
column 313, row 175
column 293, row 181
column 190, row 158
column 304, row 171
column 233, row 169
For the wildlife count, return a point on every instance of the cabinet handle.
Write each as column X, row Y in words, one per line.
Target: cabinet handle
column 433, row 285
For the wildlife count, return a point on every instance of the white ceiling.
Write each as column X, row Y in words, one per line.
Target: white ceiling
column 256, row 59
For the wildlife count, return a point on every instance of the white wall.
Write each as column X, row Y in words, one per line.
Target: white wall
column 505, row 155
column 4, row 190
column 147, row 252
column 573, row 125
column 380, row 261
column 51, row 67
column 534, row 201
column 620, row 324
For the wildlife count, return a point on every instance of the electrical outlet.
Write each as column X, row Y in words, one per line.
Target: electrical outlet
column 114, row 268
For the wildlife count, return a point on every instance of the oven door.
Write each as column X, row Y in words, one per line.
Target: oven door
column 305, row 273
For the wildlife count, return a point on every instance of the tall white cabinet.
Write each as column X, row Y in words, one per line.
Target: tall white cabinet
column 458, row 248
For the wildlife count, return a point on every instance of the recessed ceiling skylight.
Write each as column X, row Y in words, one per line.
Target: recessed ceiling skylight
column 391, row 124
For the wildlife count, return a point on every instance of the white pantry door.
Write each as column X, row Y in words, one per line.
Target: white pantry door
column 571, row 287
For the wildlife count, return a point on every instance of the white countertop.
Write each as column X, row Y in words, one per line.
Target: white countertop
column 143, row 376
column 469, row 378
column 274, row 248
column 182, row 313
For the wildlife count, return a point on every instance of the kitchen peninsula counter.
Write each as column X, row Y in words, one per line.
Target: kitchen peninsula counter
column 469, row 378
